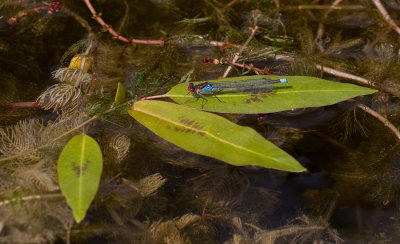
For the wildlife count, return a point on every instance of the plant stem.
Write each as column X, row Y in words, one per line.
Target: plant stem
column 386, row 15
column 108, row 28
column 25, row 105
column 319, row 7
column 385, row 121
column 321, row 28
column 361, row 80
column 31, row 197
column 253, row 32
column 249, row 67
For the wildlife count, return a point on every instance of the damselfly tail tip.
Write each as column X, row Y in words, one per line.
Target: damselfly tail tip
column 282, row 80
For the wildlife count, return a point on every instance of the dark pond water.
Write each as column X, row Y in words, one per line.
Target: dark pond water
column 152, row 191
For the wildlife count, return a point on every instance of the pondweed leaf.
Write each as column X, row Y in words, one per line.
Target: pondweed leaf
column 120, row 95
column 298, row 92
column 211, row 135
column 79, row 170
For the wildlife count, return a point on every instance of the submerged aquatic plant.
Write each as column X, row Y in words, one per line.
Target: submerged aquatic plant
column 302, row 230
column 216, row 201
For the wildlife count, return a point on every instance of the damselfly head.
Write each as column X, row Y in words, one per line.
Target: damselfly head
column 191, row 87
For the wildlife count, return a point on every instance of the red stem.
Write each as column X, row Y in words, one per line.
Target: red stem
column 25, row 105
column 114, row 33
column 107, row 27
column 250, row 67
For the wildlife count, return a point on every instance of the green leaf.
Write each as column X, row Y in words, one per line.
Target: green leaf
column 299, row 92
column 120, row 95
column 211, row 135
column 79, row 170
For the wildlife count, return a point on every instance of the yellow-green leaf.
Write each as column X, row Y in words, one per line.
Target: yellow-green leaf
column 79, row 170
column 120, row 95
column 299, row 92
column 211, row 135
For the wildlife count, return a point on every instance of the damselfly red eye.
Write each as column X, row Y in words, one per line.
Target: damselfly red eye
column 191, row 87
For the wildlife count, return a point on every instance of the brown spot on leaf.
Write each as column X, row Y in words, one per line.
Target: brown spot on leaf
column 192, row 127
column 190, row 123
column 77, row 168
column 186, row 121
column 254, row 99
column 188, row 130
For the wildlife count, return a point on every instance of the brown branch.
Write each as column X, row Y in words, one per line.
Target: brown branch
column 108, row 28
column 250, row 67
column 253, row 32
column 381, row 118
column 320, row 7
column 321, row 26
column 25, row 105
column 51, row 8
column 31, row 197
column 359, row 79
column 386, row 16
column 345, row 75
column 363, row 81
column 80, row 20
column 227, row 61
column 231, row 3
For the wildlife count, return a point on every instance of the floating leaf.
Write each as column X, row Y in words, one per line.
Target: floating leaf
column 79, row 171
column 120, row 95
column 211, row 135
column 299, row 92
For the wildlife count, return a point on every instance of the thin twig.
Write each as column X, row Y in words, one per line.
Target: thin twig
column 227, row 61
column 320, row 7
column 108, row 28
column 321, row 26
column 345, row 75
column 80, row 20
column 385, row 121
column 250, row 67
column 51, row 8
column 342, row 74
column 386, row 16
column 237, row 55
column 232, row 2
column 25, row 105
column 364, row 82
column 359, row 79
column 31, row 197
column 223, row 44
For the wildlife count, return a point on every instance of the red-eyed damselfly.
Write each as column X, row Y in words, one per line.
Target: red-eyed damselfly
column 211, row 88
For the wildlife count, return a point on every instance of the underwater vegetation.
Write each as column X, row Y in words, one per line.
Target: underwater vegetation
column 159, row 121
